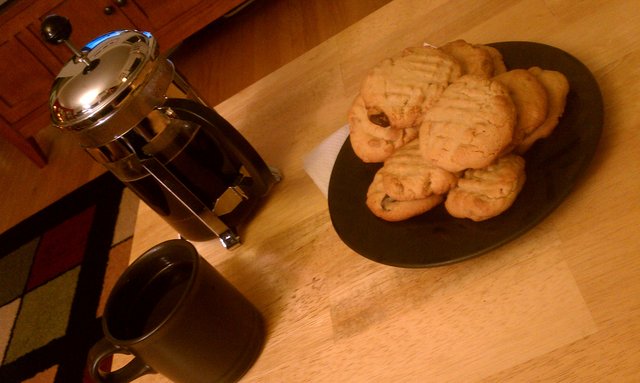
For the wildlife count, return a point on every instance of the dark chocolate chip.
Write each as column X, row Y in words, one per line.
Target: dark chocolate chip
column 379, row 118
column 386, row 200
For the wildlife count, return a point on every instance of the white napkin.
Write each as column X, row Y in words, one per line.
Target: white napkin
column 319, row 162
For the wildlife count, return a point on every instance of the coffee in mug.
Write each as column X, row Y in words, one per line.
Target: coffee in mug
column 179, row 317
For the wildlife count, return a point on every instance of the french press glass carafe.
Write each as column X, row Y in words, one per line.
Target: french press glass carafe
column 132, row 113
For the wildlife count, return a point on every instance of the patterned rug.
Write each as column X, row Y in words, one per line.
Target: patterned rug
column 56, row 269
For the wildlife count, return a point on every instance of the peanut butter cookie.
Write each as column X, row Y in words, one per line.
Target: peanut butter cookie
column 530, row 99
column 498, row 61
column 374, row 142
column 485, row 193
column 389, row 209
column 469, row 126
column 398, row 89
column 473, row 59
column 407, row 175
column 557, row 88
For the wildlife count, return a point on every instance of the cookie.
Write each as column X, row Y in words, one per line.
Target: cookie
column 498, row 61
column 557, row 89
column 485, row 193
column 385, row 207
column 407, row 175
column 370, row 141
column 473, row 59
column 530, row 99
column 398, row 89
column 469, row 126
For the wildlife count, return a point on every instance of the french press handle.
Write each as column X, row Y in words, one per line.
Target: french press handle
column 228, row 238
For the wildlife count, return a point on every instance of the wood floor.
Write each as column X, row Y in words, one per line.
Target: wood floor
column 218, row 61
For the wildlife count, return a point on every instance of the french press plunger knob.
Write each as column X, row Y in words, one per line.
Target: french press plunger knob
column 57, row 29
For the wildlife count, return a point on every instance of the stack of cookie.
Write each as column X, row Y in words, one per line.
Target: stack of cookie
column 451, row 124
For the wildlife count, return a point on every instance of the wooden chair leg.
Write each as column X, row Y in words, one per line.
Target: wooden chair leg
column 27, row 145
column 35, row 153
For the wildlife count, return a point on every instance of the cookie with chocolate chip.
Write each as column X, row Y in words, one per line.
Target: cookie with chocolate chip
column 372, row 139
column 389, row 209
column 400, row 88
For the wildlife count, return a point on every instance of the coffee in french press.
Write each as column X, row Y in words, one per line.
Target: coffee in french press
column 133, row 113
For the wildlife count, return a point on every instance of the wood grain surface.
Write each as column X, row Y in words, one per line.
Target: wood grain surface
column 561, row 303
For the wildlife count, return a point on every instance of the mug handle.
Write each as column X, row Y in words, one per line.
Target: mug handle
column 103, row 349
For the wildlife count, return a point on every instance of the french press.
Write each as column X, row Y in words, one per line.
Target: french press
column 134, row 114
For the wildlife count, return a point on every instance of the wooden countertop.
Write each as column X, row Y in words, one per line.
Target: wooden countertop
column 560, row 303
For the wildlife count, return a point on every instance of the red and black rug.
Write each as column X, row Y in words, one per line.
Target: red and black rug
column 56, row 269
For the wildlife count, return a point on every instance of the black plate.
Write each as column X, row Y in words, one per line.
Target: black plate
column 553, row 166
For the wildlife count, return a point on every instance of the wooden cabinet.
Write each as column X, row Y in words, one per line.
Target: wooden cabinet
column 172, row 20
column 28, row 65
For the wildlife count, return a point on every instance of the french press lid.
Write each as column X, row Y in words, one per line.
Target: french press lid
column 109, row 86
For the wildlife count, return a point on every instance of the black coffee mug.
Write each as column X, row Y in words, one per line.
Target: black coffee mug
column 179, row 317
